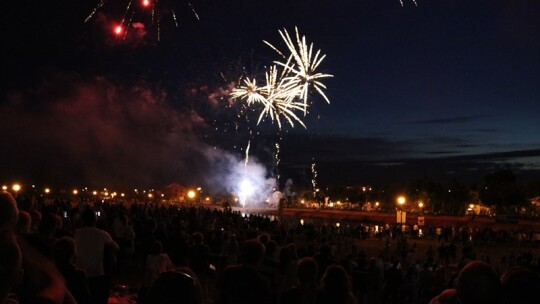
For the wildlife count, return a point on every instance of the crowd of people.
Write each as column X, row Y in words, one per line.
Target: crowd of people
column 84, row 253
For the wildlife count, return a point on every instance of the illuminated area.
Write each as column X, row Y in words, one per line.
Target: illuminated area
column 146, row 3
column 246, row 191
column 191, row 194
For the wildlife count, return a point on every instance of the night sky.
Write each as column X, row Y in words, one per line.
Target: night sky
column 448, row 89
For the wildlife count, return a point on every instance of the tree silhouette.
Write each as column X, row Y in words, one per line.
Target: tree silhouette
column 502, row 190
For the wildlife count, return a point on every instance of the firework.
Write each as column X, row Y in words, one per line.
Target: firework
column 250, row 92
column 285, row 92
column 301, row 66
column 146, row 12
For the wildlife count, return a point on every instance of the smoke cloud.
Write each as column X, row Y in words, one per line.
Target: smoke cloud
column 98, row 133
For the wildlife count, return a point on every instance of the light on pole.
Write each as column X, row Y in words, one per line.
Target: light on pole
column 400, row 213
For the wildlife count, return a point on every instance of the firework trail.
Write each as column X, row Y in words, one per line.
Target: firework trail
column 314, row 177
column 247, row 153
column 413, row 1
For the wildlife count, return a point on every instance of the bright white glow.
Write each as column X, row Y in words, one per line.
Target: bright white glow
column 246, row 190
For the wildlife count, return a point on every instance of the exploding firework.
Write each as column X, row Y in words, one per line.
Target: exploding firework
column 145, row 13
column 301, row 66
column 286, row 89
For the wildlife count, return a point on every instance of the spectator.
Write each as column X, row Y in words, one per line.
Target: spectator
column 91, row 245
column 64, row 253
column 156, row 263
column 521, row 285
column 306, row 291
column 24, row 223
column 476, row 283
column 10, row 268
column 335, row 287
column 243, row 284
column 175, row 287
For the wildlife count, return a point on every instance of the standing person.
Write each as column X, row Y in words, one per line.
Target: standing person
column 91, row 244
column 45, row 285
column 64, row 252
column 157, row 262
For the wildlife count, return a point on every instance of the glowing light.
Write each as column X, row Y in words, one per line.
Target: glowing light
column 302, row 222
column 401, row 200
column 207, row 199
column 150, row 195
column 94, row 192
column 75, row 192
column 421, row 204
column 191, row 194
column 146, row 3
column 338, row 224
column 122, row 194
column 47, row 190
column 118, row 30
column 16, row 187
column 4, row 187
column 246, row 190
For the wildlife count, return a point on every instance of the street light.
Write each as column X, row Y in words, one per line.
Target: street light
column 191, row 194
column 16, row 187
column 401, row 200
column 401, row 214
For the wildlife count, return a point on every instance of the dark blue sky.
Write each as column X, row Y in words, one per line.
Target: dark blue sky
column 448, row 89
